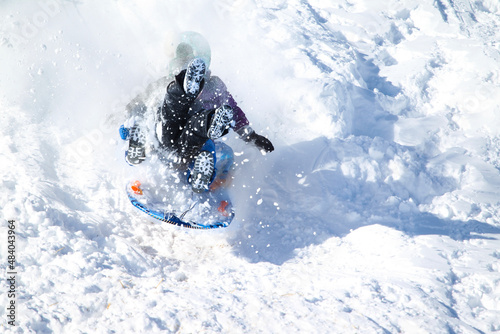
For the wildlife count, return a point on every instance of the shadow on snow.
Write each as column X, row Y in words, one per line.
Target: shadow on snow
column 327, row 187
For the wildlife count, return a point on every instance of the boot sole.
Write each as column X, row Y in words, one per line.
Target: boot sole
column 202, row 172
column 194, row 75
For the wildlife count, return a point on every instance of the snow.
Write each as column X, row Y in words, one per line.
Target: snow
column 378, row 212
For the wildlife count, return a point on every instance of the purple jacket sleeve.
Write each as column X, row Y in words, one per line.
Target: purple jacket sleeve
column 239, row 117
column 215, row 94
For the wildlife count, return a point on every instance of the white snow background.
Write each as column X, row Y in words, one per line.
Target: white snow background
column 378, row 212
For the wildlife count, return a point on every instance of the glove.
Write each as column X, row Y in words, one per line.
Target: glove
column 260, row 141
column 124, row 132
column 125, row 128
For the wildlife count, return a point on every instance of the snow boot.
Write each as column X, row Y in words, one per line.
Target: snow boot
column 194, row 76
column 203, row 170
column 136, row 152
column 220, row 123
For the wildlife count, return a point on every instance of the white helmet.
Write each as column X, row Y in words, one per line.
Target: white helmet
column 191, row 45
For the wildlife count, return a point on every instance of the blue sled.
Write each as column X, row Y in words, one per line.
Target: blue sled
column 209, row 210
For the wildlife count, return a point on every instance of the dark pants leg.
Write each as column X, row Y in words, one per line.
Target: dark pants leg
column 194, row 135
column 174, row 112
column 184, row 131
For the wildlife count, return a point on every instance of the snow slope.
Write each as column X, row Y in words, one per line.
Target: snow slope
column 378, row 212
